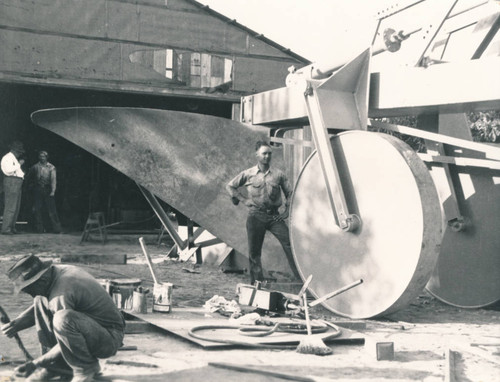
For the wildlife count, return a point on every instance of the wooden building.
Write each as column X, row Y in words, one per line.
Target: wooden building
column 166, row 54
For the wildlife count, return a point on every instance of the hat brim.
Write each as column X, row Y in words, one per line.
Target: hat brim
column 18, row 287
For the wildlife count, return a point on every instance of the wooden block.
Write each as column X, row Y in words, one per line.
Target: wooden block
column 94, row 259
column 354, row 325
column 385, row 351
column 136, row 327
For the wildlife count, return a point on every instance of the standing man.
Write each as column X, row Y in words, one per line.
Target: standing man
column 76, row 320
column 264, row 186
column 43, row 174
column 12, row 186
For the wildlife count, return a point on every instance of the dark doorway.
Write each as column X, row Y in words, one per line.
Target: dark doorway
column 84, row 182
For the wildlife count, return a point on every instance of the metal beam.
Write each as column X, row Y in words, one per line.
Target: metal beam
column 454, row 87
column 489, row 151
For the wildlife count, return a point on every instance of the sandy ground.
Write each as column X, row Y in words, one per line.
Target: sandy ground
column 423, row 333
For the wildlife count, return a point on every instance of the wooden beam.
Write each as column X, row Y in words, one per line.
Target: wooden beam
column 449, row 367
column 491, row 152
column 464, row 162
column 93, row 259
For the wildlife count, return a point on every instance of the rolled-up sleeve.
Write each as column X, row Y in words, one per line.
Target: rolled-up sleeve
column 235, row 183
column 10, row 165
column 53, row 179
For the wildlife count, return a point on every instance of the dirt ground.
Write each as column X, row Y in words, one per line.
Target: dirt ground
column 422, row 334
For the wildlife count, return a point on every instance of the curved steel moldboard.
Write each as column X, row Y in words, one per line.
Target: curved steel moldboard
column 185, row 159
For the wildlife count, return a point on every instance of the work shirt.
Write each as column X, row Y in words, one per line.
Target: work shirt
column 264, row 188
column 44, row 175
column 11, row 166
column 73, row 288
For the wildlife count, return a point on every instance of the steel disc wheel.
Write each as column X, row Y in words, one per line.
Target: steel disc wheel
column 467, row 274
column 395, row 249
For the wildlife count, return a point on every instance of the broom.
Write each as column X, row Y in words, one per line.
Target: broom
column 311, row 345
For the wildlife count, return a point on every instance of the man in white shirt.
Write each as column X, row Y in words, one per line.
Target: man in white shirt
column 12, row 185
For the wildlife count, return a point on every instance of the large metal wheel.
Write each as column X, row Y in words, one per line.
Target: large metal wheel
column 467, row 274
column 395, row 249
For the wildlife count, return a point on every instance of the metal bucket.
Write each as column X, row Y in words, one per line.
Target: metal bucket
column 122, row 292
column 139, row 302
column 162, row 297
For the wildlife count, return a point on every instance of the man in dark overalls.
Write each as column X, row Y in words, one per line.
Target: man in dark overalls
column 43, row 177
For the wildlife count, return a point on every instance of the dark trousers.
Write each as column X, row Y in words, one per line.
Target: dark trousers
column 12, row 187
column 43, row 199
column 257, row 225
column 81, row 338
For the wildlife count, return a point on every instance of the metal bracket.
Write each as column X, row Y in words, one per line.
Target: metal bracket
column 339, row 102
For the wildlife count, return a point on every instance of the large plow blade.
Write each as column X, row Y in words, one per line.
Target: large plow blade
column 185, row 159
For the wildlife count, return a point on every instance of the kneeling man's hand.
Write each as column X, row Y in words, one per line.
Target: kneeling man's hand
column 9, row 329
column 25, row 369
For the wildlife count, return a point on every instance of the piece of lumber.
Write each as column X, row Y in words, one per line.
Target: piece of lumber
column 94, row 259
column 449, row 367
column 478, row 352
column 491, row 152
column 127, row 348
column 353, row 325
column 136, row 327
column 131, row 363
column 250, row 369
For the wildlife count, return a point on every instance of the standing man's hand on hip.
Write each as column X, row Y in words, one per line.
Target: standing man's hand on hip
column 282, row 216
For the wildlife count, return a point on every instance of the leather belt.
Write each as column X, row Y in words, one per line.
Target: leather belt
column 269, row 211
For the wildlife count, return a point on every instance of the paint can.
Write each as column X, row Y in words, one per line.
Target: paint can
column 139, row 301
column 162, row 297
column 122, row 292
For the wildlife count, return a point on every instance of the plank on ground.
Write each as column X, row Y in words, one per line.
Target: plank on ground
column 94, row 259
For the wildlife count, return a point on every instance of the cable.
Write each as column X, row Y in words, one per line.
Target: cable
column 260, row 331
column 244, row 331
column 231, row 342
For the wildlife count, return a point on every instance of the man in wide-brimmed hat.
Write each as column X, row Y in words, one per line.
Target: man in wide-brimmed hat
column 76, row 320
column 12, row 184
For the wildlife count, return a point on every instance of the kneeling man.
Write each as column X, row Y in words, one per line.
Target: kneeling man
column 76, row 319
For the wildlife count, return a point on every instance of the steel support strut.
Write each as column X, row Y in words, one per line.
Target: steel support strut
column 162, row 215
column 338, row 102
column 347, row 221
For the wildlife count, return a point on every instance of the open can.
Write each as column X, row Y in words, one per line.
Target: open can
column 162, row 297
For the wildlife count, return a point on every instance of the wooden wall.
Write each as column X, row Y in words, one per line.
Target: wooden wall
column 122, row 44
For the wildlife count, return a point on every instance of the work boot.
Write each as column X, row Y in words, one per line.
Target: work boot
column 87, row 375
column 48, row 375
